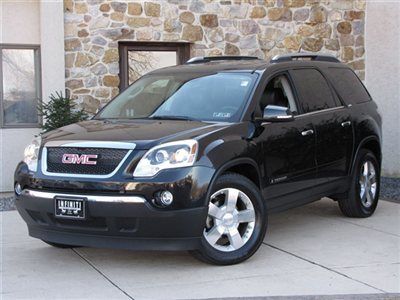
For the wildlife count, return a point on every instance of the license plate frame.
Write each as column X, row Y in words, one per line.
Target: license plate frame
column 70, row 208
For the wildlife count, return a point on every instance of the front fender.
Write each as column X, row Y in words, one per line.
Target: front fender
column 232, row 148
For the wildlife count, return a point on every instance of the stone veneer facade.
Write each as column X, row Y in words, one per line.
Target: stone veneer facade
column 261, row 28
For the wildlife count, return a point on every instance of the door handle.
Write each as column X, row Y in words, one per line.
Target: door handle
column 345, row 124
column 307, row 132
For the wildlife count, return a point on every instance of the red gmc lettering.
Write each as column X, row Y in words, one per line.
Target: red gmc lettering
column 76, row 159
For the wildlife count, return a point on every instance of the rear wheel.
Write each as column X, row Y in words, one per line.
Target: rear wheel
column 363, row 196
column 236, row 221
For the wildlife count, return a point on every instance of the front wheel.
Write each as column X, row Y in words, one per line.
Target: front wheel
column 236, row 221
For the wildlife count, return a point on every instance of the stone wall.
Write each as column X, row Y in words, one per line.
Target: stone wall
column 262, row 28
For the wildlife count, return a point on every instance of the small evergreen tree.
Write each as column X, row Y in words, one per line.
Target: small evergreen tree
column 60, row 111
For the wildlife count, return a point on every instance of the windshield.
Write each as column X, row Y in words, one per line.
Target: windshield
column 216, row 97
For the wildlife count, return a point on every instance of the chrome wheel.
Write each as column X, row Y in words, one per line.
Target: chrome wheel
column 368, row 184
column 230, row 221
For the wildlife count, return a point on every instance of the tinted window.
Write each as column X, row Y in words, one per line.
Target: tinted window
column 314, row 91
column 348, row 86
column 215, row 97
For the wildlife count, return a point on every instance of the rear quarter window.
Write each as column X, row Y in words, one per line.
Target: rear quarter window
column 348, row 86
column 314, row 91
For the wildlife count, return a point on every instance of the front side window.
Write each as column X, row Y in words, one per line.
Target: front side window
column 215, row 97
column 314, row 92
column 278, row 92
column 20, row 85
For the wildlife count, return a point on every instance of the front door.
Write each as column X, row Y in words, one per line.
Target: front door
column 288, row 147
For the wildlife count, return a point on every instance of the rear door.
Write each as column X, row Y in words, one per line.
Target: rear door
column 332, row 122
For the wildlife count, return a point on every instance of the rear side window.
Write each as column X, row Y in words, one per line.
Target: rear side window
column 314, row 92
column 348, row 86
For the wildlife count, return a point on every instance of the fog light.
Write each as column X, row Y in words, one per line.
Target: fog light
column 18, row 189
column 166, row 198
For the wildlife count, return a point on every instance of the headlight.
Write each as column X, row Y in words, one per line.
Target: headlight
column 31, row 154
column 167, row 156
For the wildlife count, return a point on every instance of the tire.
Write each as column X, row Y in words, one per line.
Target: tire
column 57, row 245
column 355, row 205
column 231, row 248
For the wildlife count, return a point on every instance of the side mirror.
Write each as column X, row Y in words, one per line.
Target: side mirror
column 274, row 113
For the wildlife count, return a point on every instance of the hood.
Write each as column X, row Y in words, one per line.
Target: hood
column 144, row 133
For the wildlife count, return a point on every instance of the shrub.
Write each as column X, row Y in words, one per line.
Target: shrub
column 60, row 111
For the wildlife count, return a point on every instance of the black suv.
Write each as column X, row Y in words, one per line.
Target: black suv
column 194, row 157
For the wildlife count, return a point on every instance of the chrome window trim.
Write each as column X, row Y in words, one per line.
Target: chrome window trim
column 320, row 111
column 45, row 172
column 92, row 198
column 91, row 144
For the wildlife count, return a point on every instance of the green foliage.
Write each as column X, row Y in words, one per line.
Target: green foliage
column 60, row 111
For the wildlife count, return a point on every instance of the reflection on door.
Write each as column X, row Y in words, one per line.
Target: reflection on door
column 142, row 62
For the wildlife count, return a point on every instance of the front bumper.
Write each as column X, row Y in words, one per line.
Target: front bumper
column 117, row 221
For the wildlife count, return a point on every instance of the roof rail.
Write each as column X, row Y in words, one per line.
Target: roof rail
column 204, row 59
column 299, row 56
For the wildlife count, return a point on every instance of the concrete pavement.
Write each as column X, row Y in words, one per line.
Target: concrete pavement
column 312, row 250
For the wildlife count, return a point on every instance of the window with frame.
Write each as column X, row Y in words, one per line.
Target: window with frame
column 349, row 86
column 278, row 92
column 314, row 91
column 139, row 58
column 20, row 85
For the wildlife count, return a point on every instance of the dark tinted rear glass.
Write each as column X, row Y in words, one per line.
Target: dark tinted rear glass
column 314, row 91
column 348, row 86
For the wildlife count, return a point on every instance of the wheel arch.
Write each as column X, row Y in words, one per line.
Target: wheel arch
column 371, row 143
column 246, row 167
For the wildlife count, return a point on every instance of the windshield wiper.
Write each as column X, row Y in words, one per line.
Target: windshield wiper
column 184, row 118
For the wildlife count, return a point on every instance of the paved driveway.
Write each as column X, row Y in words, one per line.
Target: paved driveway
column 311, row 250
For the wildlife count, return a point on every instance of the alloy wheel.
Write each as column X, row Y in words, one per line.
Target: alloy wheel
column 230, row 221
column 368, row 184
